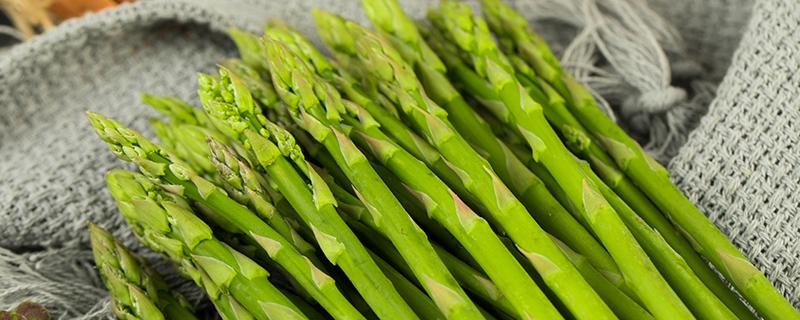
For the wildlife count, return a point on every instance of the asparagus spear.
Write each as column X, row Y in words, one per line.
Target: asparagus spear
column 421, row 303
column 442, row 205
column 131, row 146
column 512, row 29
column 471, row 231
column 250, row 48
column 703, row 303
column 177, row 110
column 472, row 37
column 471, row 279
column 187, row 142
column 398, row 28
column 316, row 107
column 624, row 306
column 165, row 223
column 229, row 101
column 137, row 291
column 246, row 186
column 653, row 179
column 397, row 81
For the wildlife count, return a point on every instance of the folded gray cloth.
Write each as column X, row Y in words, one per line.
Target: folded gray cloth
column 739, row 164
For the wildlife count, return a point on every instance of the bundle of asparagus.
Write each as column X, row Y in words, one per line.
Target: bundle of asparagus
column 369, row 186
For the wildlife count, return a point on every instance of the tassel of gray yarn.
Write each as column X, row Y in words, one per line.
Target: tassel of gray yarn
column 623, row 52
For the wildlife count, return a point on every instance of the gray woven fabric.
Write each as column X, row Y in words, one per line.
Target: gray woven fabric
column 741, row 165
column 737, row 164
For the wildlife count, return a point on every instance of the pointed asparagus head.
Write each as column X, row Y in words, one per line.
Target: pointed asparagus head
column 227, row 100
column 161, row 217
column 239, row 179
column 471, row 34
column 382, row 60
column 250, row 48
column 134, row 287
column 389, row 17
column 177, row 110
column 257, row 82
column 301, row 46
column 502, row 18
column 513, row 30
column 301, row 89
column 400, row 30
column 333, row 31
column 125, row 143
column 395, row 78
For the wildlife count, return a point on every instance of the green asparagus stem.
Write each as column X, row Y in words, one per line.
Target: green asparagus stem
column 622, row 304
column 157, row 165
column 471, row 35
column 137, row 291
column 396, row 80
column 653, row 179
column 698, row 297
column 471, row 279
column 442, row 204
column 316, row 107
column 421, row 303
column 165, row 223
column 701, row 301
column 471, row 231
column 229, row 101
column 398, row 28
column 518, row 40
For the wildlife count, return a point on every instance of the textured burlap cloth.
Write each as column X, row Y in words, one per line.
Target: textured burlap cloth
column 715, row 95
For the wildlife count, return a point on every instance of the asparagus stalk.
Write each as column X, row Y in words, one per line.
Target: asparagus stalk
column 131, row 146
column 444, row 206
column 238, row 286
column 421, row 303
column 512, row 29
column 471, row 231
column 653, row 179
column 699, row 298
column 316, row 107
column 471, row 35
column 471, row 279
column 229, row 101
column 623, row 305
column 137, row 291
column 395, row 79
column 404, row 36
column 703, row 303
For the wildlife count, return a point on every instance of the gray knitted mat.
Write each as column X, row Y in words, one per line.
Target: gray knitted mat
column 730, row 139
